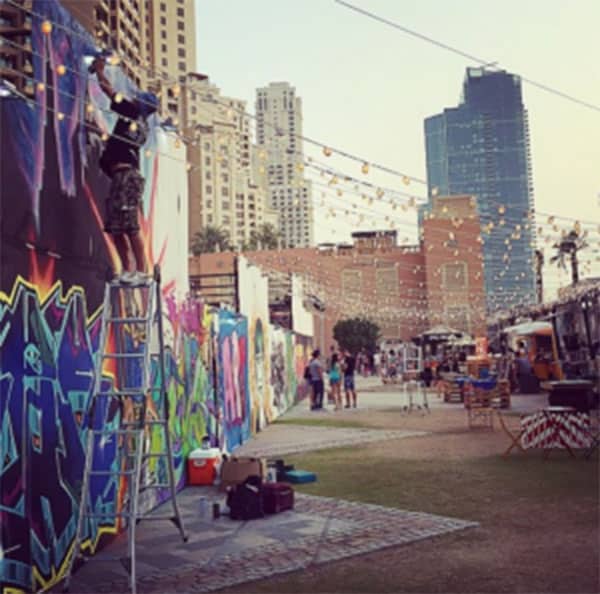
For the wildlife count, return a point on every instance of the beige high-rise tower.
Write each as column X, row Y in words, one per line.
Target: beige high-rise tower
column 278, row 131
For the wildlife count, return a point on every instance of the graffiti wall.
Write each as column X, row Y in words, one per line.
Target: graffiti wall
column 54, row 257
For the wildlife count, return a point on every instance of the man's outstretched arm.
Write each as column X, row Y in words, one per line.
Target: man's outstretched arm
column 102, row 80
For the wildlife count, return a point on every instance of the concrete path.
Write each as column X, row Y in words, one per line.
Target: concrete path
column 224, row 552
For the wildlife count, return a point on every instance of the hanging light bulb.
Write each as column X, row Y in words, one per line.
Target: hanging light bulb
column 434, row 191
column 365, row 168
column 114, row 60
column 501, row 209
column 118, row 98
column 148, row 153
column 41, row 87
column 380, row 193
column 133, row 126
column 89, row 108
column 61, row 70
column 46, row 27
column 327, row 151
column 405, row 180
column 60, row 116
column 104, row 137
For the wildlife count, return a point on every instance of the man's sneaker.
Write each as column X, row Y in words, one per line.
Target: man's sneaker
column 134, row 278
column 127, row 277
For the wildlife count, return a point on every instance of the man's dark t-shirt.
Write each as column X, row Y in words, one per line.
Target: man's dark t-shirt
column 349, row 364
column 124, row 144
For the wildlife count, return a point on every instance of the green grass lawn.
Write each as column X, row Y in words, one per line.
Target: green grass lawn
column 462, row 488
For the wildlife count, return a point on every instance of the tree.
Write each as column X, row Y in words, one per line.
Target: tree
column 210, row 239
column 355, row 334
column 568, row 247
column 266, row 237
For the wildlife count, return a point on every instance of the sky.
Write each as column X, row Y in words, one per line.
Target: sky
column 366, row 87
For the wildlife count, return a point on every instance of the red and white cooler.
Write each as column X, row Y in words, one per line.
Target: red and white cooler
column 203, row 466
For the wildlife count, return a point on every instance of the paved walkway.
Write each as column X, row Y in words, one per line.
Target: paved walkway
column 224, row 552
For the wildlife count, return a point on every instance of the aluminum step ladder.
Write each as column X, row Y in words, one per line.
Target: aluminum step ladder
column 124, row 416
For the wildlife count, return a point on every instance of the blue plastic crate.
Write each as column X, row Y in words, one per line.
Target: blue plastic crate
column 300, row 476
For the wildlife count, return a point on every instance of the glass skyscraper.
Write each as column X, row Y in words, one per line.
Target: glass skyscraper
column 481, row 148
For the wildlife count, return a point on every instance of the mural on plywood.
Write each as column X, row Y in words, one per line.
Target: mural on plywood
column 233, row 378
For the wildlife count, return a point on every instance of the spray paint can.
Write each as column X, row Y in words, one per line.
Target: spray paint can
column 216, row 509
column 203, row 507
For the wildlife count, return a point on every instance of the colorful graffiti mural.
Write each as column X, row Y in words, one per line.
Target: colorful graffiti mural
column 53, row 262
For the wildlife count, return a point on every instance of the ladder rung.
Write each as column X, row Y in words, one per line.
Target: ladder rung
column 112, row 472
column 123, row 355
column 172, row 518
column 126, row 392
column 104, row 516
column 117, row 284
column 146, row 423
column 155, row 486
column 116, row 431
column 126, row 320
column 101, row 558
column 156, row 455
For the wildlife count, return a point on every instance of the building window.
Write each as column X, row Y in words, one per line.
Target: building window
column 224, row 191
column 225, row 205
column 351, row 282
column 208, row 175
column 207, row 161
column 454, row 276
column 163, row 34
column 207, row 146
column 165, row 62
column 180, row 26
column 209, row 204
column 180, row 12
column 181, row 52
column 209, row 189
column 163, row 7
column 163, row 47
column 225, row 177
column 163, row 21
column 209, row 219
column 180, row 38
column 182, row 66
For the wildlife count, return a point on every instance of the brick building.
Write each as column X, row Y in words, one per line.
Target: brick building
column 404, row 289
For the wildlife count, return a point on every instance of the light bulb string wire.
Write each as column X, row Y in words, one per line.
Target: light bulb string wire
column 463, row 54
column 308, row 162
column 96, row 128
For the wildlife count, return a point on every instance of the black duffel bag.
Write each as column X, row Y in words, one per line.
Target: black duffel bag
column 245, row 500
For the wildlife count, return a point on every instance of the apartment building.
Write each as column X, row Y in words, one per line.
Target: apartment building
column 278, row 132
column 224, row 189
column 156, row 41
column 16, row 63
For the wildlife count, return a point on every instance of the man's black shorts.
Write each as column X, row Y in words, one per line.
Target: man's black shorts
column 123, row 202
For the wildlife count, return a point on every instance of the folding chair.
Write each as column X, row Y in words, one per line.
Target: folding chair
column 479, row 409
column 515, row 439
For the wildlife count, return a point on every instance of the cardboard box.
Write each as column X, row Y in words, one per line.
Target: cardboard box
column 236, row 470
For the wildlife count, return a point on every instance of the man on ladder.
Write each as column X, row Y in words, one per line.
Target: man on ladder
column 121, row 162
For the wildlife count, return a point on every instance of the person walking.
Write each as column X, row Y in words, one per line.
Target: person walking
column 335, row 378
column 120, row 161
column 316, row 379
column 349, row 384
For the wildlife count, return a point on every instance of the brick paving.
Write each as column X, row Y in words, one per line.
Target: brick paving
column 319, row 530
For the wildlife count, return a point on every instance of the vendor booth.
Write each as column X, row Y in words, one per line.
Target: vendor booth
column 535, row 343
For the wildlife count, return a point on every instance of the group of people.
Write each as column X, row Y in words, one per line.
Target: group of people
column 339, row 369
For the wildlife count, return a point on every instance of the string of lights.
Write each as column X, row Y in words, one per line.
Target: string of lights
column 463, row 54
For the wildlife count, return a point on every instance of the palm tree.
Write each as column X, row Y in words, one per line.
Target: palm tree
column 265, row 237
column 568, row 247
column 210, row 239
